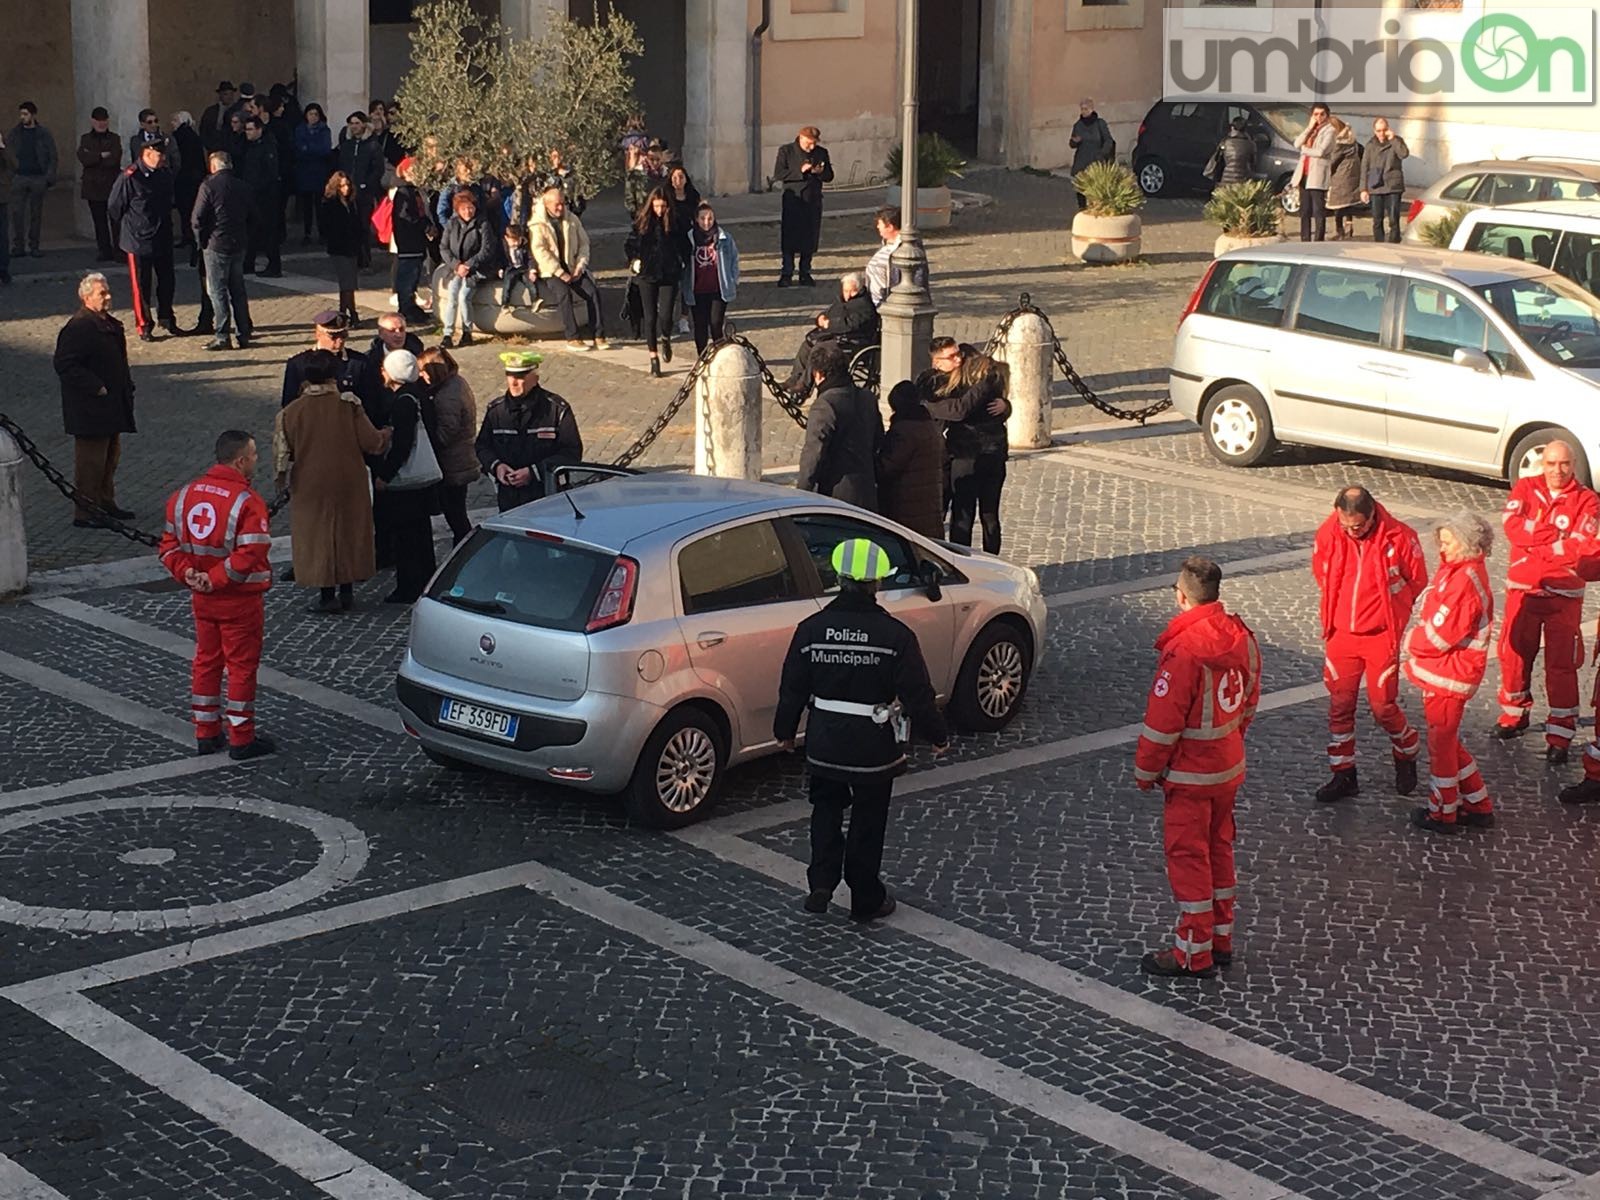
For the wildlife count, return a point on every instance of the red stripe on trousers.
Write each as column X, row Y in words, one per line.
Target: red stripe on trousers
column 141, row 314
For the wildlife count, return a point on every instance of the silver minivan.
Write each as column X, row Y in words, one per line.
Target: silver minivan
column 628, row 636
column 1408, row 352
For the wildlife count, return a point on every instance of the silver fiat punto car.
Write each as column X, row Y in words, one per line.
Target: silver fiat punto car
column 628, row 636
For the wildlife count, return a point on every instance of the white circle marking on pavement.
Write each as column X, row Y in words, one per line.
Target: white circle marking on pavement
column 344, row 855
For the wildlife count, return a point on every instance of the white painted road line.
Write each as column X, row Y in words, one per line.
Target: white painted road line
column 317, row 694
column 1395, row 1115
column 18, row 1184
column 125, row 712
column 982, row 769
column 156, row 772
column 286, row 1141
column 907, row 1040
column 1105, row 591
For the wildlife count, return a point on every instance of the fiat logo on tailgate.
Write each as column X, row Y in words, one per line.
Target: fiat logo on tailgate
column 486, row 643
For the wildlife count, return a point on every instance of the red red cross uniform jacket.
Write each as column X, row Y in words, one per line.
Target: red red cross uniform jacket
column 1207, row 686
column 218, row 525
column 1404, row 572
column 1447, row 653
column 1551, row 535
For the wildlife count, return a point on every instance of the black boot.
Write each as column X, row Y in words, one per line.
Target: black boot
column 347, row 597
column 1164, row 963
column 1405, row 776
column 1475, row 820
column 666, row 349
column 1556, row 756
column 253, row 749
column 817, row 902
column 1343, row 785
column 1585, row 791
column 210, row 745
column 1506, row 732
column 327, row 602
column 1423, row 819
column 655, row 367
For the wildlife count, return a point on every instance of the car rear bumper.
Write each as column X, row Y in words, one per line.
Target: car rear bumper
column 591, row 743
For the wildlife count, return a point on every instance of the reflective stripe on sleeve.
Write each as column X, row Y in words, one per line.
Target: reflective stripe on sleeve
column 1449, row 685
column 1161, row 737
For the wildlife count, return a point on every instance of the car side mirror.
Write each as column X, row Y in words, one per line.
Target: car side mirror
column 1476, row 360
column 929, row 573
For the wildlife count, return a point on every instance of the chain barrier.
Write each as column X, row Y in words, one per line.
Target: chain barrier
column 65, row 487
column 1068, row 371
column 785, row 401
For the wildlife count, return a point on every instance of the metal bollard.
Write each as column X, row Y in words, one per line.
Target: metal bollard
column 727, row 416
column 1030, row 352
column 13, row 534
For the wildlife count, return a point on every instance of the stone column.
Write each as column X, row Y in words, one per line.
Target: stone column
column 716, row 127
column 528, row 18
column 330, row 42
column 1005, row 82
column 727, row 416
column 13, row 534
column 1030, row 353
column 110, row 67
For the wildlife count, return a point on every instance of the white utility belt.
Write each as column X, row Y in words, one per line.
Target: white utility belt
column 878, row 714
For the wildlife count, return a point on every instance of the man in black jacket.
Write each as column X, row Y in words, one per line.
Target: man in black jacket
column 802, row 166
column 839, row 458
column 259, row 170
column 214, row 121
column 96, row 399
column 221, row 223
column 851, row 319
column 141, row 205
column 524, row 432
column 392, row 335
column 862, row 675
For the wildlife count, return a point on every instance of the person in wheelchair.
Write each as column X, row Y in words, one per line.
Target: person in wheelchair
column 850, row 322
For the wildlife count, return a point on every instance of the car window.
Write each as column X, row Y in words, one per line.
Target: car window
column 1578, row 258
column 1526, row 242
column 1248, row 291
column 1288, row 121
column 736, row 568
column 822, row 532
column 1438, row 321
column 1557, row 318
column 527, row 580
column 1461, row 189
column 1191, row 120
column 1342, row 304
column 1506, row 188
column 1571, row 189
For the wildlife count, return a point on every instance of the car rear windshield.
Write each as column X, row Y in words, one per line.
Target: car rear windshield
column 524, row 579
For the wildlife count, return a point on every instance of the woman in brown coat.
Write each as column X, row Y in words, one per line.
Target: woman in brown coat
column 911, row 464
column 457, row 410
column 323, row 435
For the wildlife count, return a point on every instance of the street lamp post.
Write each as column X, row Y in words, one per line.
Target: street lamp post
column 907, row 312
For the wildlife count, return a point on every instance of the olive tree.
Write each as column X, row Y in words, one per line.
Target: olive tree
column 475, row 91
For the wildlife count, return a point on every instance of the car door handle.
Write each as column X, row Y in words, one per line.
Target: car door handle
column 710, row 638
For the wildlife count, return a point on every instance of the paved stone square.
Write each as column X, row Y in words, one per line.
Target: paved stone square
column 345, row 971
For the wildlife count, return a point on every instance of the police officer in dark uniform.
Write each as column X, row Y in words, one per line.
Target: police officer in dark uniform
column 862, row 674
column 355, row 374
column 526, row 431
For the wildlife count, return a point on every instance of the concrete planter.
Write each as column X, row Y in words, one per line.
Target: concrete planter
column 1105, row 239
column 933, row 206
column 1228, row 241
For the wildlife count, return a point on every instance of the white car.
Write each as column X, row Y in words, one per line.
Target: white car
column 1434, row 356
column 1562, row 235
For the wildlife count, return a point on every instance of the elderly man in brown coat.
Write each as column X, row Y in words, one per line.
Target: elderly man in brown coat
column 317, row 453
column 91, row 360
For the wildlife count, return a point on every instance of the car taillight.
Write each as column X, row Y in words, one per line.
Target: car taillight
column 614, row 605
column 1140, row 134
column 1414, row 211
column 1199, row 290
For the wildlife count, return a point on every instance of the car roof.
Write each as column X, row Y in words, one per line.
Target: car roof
column 1587, row 209
column 1462, row 266
column 619, row 511
column 1570, row 168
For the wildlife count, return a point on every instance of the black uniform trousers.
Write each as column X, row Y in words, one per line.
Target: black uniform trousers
column 858, row 857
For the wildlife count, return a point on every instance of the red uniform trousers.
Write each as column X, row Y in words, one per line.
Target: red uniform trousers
column 1350, row 656
column 1591, row 752
column 227, row 633
column 1197, row 828
column 1559, row 619
column 1456, row 781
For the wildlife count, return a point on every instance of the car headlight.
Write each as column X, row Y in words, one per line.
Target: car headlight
column 1032, row 577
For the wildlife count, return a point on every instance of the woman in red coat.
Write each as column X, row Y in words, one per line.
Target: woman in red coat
column 1447, row 653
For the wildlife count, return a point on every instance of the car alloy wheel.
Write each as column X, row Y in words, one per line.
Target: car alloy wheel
column 1152, row 178
column 686, row 770
column 1000, row 679
column 1234, row 428
column 1532, row 462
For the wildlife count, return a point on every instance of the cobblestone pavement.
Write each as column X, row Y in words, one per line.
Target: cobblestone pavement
column 345, row 971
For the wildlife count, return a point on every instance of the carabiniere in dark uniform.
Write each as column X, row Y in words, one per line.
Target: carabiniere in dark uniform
column 862, row 675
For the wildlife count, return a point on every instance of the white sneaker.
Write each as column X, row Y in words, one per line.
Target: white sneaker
column 577, row 346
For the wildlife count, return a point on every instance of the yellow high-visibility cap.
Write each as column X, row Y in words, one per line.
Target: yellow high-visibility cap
column 862, row 561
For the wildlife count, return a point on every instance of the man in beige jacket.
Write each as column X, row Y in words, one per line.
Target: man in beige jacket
column 1311, row 173
column 560, row 249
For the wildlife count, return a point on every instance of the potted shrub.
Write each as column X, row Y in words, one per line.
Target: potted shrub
column 938, row 162
column 1441, row 230
column 1248, row 213
column 1106, row 229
